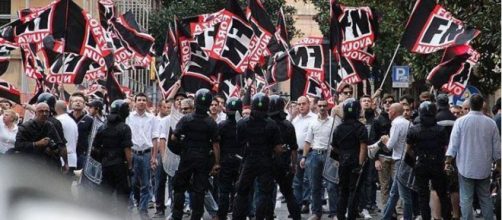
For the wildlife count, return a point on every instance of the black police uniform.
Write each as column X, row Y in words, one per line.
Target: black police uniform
column 281, row 170
column 230, row 164
column 427, row 141
column 346, row 141
column 259, row 135
column 110, row 143
column 32, row 131
column 197, row 132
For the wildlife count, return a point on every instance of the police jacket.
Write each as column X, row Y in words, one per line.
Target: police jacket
column 258, row 134
column 30, row 132
column 228, row 137
column 111, row 140
column 346, row 141
column 197, row 132
column 288, row 135
column 428, row 141
column 381, row 126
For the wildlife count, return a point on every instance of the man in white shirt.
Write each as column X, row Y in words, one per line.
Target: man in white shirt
column 70, row 131
column 397, row 143
column 301, row 183
column 318, row 139
column 143, row 131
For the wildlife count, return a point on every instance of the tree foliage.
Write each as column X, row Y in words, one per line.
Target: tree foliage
column 160, row 19
column 393, row 14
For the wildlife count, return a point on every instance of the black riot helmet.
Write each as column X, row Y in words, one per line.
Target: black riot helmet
column 260, row 102
column 276, row 105
column 203, row 98
column 427, row 109
column 234, row 104
column 48, row 98
column 120, row 108
column 351, row 109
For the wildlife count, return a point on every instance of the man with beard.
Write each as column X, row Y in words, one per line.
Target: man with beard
column 230, row 153
column 38, row 140
column 84, row 123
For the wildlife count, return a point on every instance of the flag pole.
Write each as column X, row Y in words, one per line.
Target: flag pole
column 390, row 65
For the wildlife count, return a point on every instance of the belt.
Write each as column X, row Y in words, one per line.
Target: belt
column 141, row 152
column 319, row 151
column 430, row 157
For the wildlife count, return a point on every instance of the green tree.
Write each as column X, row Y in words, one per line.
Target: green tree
column 160, row 19
column 393, row 14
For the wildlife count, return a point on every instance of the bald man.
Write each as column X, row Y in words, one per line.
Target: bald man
column 38, row 140
column 301, row 184
column 397, row 143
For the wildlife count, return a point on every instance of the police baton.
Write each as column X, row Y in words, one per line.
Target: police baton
column 358, row 183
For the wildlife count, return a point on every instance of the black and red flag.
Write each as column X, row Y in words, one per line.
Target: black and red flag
column 169, row 69
column 279, row 66
column 132, row 37
column 431, row 28
column 8, row 91
column 352, row 30
column 302, row 84
column 264, row 31
column 454, row 71
column 196, row 65
column 106, row 13
column 113, row 89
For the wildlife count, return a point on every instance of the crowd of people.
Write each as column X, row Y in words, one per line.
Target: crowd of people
column 204, row 152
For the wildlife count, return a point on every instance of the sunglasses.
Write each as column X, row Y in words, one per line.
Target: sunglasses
column 347, row 93
column 322, row 106
column 185, row 109
column 388, row 102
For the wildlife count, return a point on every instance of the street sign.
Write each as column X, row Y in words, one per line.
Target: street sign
column 400, row 76
column 468, row 92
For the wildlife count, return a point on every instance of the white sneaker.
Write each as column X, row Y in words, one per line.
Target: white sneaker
column 366, row 214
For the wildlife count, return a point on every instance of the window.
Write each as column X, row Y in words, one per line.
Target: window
column 4, row 11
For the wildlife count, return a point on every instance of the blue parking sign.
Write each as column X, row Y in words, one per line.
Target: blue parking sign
column 400, row 76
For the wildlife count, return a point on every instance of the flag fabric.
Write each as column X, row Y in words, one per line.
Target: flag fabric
column 352, row 29
column 279, row 64
column 303, row 84
column 129, row 32
column 8, row 91
column 264, row 31
column 113, row 89
column 431, row 28
column 32, row 65
column 169, row 69
column 454, row 71
column 106, row 10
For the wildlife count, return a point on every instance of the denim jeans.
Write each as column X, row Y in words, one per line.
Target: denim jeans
column 141, row 165
column 397, row 191
column 467, row 188
column 301, row 182
column 316, row 167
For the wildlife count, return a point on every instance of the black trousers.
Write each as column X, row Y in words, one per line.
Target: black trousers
column 284, row 178
column 227, row 179
column 116, row 180
column 192, row 175
column 260, row 168
column 432, row 171
column 347, row 189
column 160, row 195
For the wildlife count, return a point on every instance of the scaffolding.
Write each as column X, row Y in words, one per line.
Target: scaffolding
column 138, row 80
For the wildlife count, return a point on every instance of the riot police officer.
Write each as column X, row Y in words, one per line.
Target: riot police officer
column 284, row 166
column 260, row 138
column 349, row 148
column 230, row 153
column 112, row 147
column 197, row 134
column 426, row 142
